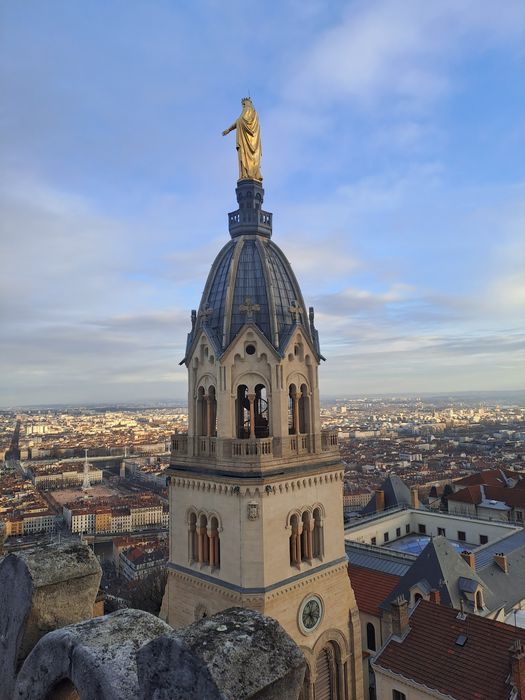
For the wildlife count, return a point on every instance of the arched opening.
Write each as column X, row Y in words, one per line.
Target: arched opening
column 215, row 545
column 295, row 542
column 261, row 412
column 292, row 391
column 370, row 636
column 326, row 683
column 203, row 541
column 242, row 412
column 201, row 412
column 63, row 690
column 479, row 600
column 193, row 538
column 317, row 534
column 304, row 410
column 306, row 537
column 417, row 597
column 212, row 412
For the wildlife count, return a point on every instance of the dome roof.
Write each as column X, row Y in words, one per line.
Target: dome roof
column 251, row 281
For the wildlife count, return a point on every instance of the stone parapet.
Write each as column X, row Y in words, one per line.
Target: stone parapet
column 52, row 647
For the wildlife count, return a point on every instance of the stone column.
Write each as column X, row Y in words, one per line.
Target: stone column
column 295, row 398
column 309, row 544
column 211, row 542
column 251, row 399
column 208, row 415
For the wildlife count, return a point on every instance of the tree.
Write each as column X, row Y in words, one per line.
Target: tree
column 146, row 593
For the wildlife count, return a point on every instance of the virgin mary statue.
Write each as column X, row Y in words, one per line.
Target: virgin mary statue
column 248, row 141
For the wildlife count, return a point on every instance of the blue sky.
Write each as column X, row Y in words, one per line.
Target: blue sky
column 393, row 140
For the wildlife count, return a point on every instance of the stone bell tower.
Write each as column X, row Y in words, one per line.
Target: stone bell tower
column 256, row 516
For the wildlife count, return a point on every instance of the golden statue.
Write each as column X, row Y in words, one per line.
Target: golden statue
column 248, row 141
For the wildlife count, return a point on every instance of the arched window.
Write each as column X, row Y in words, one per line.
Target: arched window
column 326, row 683
column 242, row 411
column 317, row 534
column 370, row 636
column 292, row 413
column 479, row 600
column 212, row 412
column 304, row 410
column 306, row 537
column 193, row 538
column 203, row 541
column 261, row 413
column 202, row 426
column 215, row 545
column 295, row 542
column 417, row 598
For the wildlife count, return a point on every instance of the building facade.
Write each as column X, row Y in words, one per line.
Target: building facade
column 256, row 495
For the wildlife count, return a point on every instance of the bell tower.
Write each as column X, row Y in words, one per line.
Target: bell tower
column 256, row 515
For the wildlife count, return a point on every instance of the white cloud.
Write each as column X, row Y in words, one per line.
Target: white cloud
column 399, row 48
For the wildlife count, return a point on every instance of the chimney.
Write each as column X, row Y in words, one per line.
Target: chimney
column 517, row 661
column 380, row 500
column 414, row 498
column 435, row 596
column 501, row 560
column 399, row 609
column 469, row 558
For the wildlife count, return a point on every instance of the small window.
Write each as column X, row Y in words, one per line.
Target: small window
column 250, row 349
column 462, row 537
column 479, row 600
column 519, row 515
column 407, row 529
column 373, row 540
column 441, row 531
column 483, row 539
column 398, row 695
column 398, row 532
column 422, row 529
column 386, row 537
column 418, row 597
column 370, row 636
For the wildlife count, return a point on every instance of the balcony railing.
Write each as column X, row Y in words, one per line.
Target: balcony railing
column 256, row 447
column 253, row 449
column 299, row 444
column 329, row 440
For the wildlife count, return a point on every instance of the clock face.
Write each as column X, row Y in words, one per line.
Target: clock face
column 310, row 613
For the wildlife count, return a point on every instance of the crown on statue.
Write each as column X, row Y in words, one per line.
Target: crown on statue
column 246, row 99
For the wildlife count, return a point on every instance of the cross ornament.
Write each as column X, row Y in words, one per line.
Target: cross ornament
column 249, row 308
column 206, row 313
column 295, row 310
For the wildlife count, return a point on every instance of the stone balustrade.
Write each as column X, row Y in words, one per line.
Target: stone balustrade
column 253, row 449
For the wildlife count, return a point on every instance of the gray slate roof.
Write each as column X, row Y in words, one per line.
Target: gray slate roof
column 485, row 555
column 440, row 566
column 387, row 561
column 396, row 493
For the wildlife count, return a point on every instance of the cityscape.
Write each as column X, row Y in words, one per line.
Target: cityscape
column 262, row 409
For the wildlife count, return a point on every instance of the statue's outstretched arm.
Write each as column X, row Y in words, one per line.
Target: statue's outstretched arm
column 231, row 128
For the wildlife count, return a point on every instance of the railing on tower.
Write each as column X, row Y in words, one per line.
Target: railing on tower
column 329, row 440
column 254, row 448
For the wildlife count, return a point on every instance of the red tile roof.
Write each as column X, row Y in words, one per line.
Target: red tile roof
column 489, row 477
column 429, row 655
column 470, row 494
column 371, row 588
column 514, row 497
